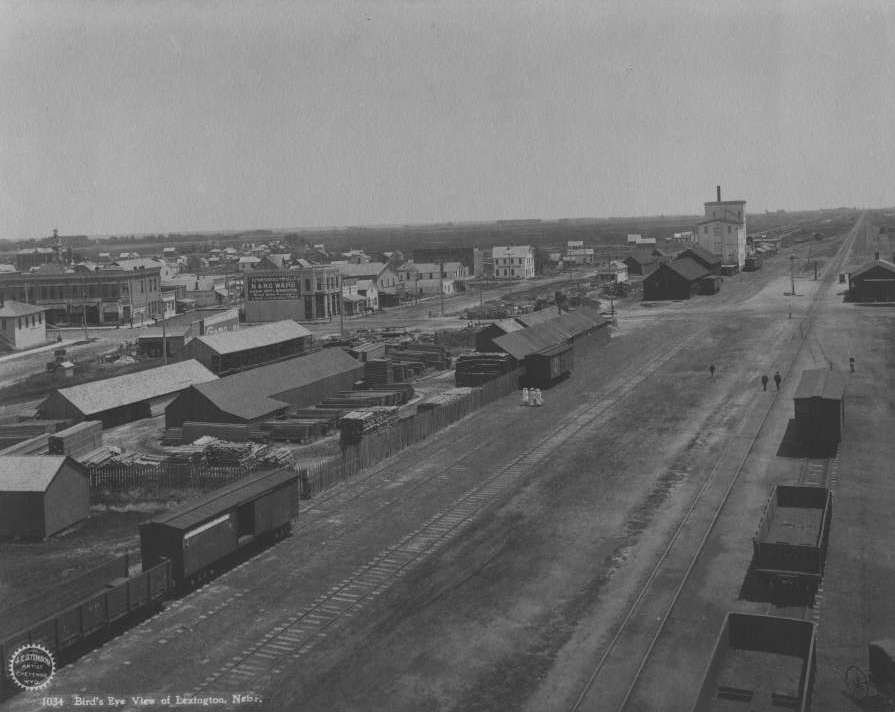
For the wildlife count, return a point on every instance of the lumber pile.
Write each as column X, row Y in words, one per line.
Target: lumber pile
column 429, row 355
column 77, row 439
column 354, row 424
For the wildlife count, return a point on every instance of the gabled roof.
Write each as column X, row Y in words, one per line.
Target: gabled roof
column 262, row 385
column 884, row 264
column 687, row 267
column 30, row 473
column 821, row 383
column 99, row 396
column 227, row 342
column 14, row 309
column 533, row 339
column 365, row 269
column 700, row 254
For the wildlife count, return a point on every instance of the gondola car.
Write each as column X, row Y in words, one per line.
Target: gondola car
column 112, row 607
column 205, row 535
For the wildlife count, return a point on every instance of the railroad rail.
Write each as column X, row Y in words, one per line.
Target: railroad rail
column 805, row 329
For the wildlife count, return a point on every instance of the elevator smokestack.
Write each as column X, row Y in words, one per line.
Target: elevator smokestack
column 718, row 188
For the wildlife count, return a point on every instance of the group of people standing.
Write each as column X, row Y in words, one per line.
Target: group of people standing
column 532, row 396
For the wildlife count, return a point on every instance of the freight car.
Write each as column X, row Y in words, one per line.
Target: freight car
column 109, row 606
column 790, row 546
column 205, row 535
column 547, row 367
column 760, row 663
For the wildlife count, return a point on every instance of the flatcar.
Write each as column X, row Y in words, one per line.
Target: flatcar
column 205, row 535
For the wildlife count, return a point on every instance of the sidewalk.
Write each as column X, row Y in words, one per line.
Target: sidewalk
column 39, row 349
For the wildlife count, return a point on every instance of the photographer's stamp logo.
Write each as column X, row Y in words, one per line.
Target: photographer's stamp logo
column 31, row 666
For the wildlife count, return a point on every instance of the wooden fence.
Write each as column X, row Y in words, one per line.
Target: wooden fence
column 379, row 445
column 107, row 481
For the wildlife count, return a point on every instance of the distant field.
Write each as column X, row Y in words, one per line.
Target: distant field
column 593, row 231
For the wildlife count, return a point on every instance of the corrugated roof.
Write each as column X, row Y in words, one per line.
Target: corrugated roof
column 28, row 473
column 885, row 264
column 520, row 344
column 227, row 342
column 222, row 500
column 687, row 267
column 821, row 383
column 14, row 309
column 231, row 394
column 98, row 396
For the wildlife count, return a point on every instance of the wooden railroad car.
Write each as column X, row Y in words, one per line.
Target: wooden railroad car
column 790, row 546
column 203, row 536
column 761, row 664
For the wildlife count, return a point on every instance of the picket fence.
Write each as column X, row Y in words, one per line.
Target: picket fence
column 109, row 480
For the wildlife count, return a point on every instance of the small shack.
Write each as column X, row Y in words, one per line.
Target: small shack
column 484, row 338
column 874, row 282
column 820, row 409
column 41, row 495
column 709, row 260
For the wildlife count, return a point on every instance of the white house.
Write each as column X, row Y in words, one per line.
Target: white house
column 514, row 262
column 22, row 326
column 723, row 231
column 637, row 239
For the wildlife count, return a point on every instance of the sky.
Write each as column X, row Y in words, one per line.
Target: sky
column 132, row 117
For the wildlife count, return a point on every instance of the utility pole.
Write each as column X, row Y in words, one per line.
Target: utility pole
column 164, row 342
column 441, row 282
column 792, row 274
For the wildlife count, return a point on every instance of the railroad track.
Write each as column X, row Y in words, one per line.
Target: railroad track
column 626, row 627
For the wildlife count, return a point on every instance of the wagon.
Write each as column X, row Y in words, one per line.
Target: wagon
column 880, row 679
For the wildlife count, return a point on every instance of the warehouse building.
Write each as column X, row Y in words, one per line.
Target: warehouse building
column 484, row 338
column 710, row 261
column 230, row 351
column 41, row 495
column 874, row 282
column 122, row 399
column 678, row 279
column 266, row 391
column 820, row 410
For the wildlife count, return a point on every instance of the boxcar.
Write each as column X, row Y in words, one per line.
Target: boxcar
column 202, row 536
column 820, row 410
column 790, row 546
column 548, row 366
column 78, row 623
column 760, row 663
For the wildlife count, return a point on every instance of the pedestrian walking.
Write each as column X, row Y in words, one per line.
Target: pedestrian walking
column 539, row 397
column 851, row 363
column 764, row 382
column 525, row 397
column 712, row 370
column 777, row 379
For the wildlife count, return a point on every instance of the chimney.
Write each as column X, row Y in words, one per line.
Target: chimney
column 718, row 189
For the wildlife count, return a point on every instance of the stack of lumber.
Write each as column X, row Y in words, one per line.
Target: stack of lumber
column 378, row 371
column 227, row 453
column 430, row 355
column 172, row 436
column 77, row 439
column 477, row 368
column 100, row 456
column 14, row 433
column 295, row 430
column 232, row 432
column 444, row 398
column 354, row 424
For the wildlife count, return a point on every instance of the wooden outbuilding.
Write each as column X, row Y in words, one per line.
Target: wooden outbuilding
column 41, row 495
column 678, row 279
column 874, row 282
